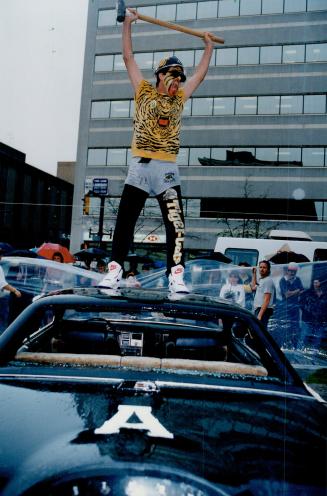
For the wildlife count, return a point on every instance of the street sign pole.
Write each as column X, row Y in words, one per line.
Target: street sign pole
column 100, row 189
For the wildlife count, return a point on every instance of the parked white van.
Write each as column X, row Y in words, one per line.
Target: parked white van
column 252, row 250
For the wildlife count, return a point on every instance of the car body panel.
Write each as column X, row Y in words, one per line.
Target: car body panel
column 217, row 432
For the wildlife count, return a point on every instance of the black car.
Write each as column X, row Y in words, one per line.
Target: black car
column 139, row 394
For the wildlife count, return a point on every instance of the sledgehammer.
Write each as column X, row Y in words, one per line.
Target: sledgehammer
column 121, row 12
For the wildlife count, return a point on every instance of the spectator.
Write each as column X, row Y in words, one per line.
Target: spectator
column 101, row 267
column 313, row 303
column 245, row 275
column 57, row 257
column 4, row 284
column 291, row 287
column 233, row 289
column 7, row 307
column 264, row 298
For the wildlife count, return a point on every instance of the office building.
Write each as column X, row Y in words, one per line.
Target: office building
column 253, row 142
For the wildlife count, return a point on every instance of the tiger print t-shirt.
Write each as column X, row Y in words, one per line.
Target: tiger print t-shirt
column 157, row 123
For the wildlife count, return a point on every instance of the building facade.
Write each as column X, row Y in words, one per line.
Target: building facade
column 34, row 206
column 253, row 143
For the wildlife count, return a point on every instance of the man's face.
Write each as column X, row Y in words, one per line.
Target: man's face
column 263, row 270
column 172, row 80
column 291, row 273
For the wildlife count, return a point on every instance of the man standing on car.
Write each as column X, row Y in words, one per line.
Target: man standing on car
column 155, row 145
column 264, row 292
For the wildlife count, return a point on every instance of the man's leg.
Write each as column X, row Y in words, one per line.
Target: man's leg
column 131, row 203
column 170, row 202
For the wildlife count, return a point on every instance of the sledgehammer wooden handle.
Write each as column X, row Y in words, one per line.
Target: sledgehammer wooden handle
column 178, row 27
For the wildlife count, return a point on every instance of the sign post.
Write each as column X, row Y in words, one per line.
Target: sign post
column 100, row 189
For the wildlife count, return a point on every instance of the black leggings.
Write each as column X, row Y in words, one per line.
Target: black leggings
column 131, row 203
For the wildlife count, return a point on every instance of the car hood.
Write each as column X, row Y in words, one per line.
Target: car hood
column 224, row 436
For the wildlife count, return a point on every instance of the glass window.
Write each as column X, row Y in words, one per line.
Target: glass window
column 193, row 207
column 186, row 56
column 198, row 55
column 268, row 105
column 119, row 108
column 248, row 55
column 132, row 108
column 293, row 53
column 250, row 7
column 207, row 10
column 317, row 53
column 295, row 6
column 166, row 12
column 269, row 154
column 227, row 8
column 100, row 110
column 129, row 156
column 195, row 153
column 107, row 18
column 182, row 157
column 314, row 104
column 186, row 11
column 272, row 7
column 202, row 106
column 187, row 107
column 289, row 155
column 317, row 5
column 103, row 63
column 271, row 55
column 96, row 156
column 223, row 106
column 151, row 208
column 226, row 56
column 116, row 156
column 292, row 104
column 219, row 153
column 119, row 63
column 314, row 157
column 144, row 60
column 246, row 105
column 149, row 11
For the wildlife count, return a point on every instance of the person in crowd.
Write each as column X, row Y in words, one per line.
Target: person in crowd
column 54, row 278
column 155, row 145
column 246, row 278
column 101, row 267
column 6, row 306
column 291, row 287
column 233, row 289
column 4, row 285
column 264, row 299
column 313, row 303
column 57, row 257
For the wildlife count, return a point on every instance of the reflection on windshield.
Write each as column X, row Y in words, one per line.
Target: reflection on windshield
column 300, row 317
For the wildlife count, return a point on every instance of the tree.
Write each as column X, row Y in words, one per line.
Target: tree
column 247, row 227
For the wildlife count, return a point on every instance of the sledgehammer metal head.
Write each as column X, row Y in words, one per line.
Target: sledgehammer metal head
column 121, row 10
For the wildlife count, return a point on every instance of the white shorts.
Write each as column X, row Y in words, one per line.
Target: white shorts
column 155, row 177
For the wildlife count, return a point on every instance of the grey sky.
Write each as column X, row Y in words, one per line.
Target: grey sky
column 42, row 53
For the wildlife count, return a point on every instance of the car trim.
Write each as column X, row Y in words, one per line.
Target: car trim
column 144, row 362
column 164, row 384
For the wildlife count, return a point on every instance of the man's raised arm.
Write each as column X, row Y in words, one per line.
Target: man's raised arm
column 200, row 72
column 133, row 70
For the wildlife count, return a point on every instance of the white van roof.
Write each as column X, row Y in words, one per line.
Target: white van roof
column 285, row 234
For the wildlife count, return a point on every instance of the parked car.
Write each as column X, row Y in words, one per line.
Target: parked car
column 138, row 394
